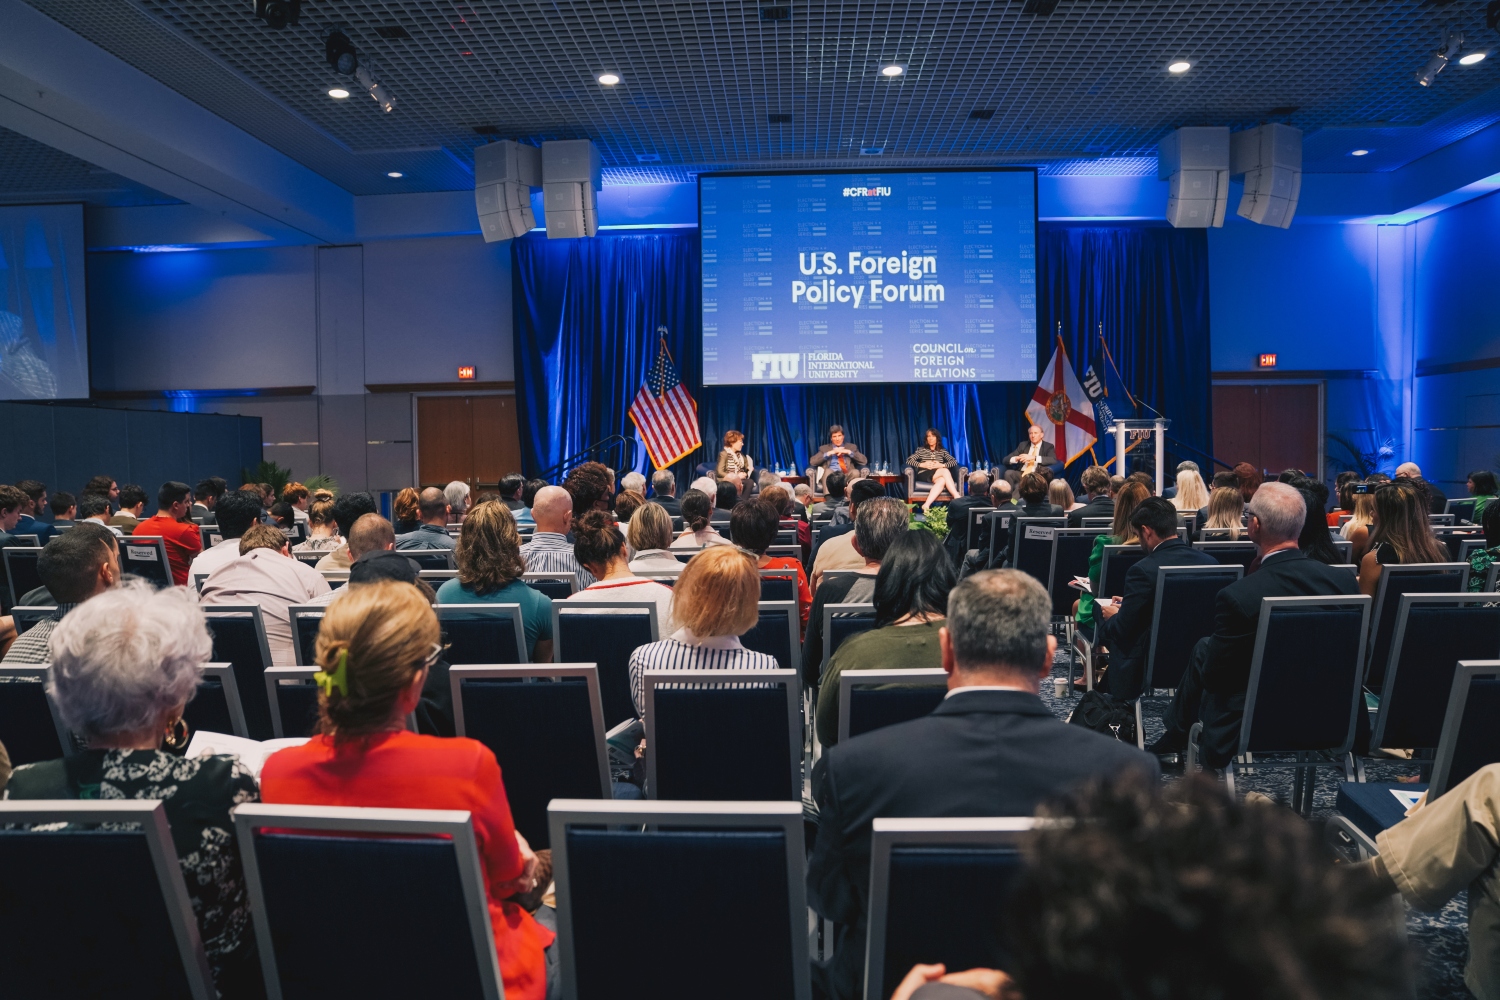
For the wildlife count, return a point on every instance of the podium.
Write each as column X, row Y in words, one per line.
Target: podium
column 1159, row 426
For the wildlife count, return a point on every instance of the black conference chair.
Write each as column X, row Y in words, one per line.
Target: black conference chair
column 778, row 585
column 742, row 862
column 320, row 878
column 240, row 640
column 1115, row 563
column 1462, row 510
column 1031, row 544
column 1238, row 553
column 140, row 940
column 974, row 537
column 998, row 525
column 723, row 735
column 840, row 621
column 558, row 586
column 430, row 558
column 21, row 576
column 29, row 724
column 1470, row 740
column 872, row 699
column 1304, row 689
column 216, row 707
column 306, row 620
column 309, row 559
column 545, row 725
column 777, row 634
column 146, row 557
column 605, row 633
column 294, row 700
column 1069, row 558
column 935, row 886
column 1468, row 546
column 1414, row 578
column 482, row 633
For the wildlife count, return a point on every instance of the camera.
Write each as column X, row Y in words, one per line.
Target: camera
column 278, row 13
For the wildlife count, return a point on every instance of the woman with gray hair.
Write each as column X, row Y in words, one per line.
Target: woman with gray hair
column 124, row 666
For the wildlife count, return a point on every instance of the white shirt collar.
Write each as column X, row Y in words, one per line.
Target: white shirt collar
column 687, row 638
column 986, row 687
column 1273, row 555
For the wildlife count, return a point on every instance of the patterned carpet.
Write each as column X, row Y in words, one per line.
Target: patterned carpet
column 1438, row 939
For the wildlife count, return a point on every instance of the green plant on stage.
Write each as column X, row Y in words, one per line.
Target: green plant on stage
column 936, row 521
column 321, row 482
column 268, row 472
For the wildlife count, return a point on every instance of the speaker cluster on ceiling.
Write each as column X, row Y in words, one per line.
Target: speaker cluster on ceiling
column 568, row 171
column 1197, row 163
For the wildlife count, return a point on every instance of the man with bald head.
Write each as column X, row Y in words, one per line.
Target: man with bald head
column 550, row 550
column 1437, row 500
column 432, row 533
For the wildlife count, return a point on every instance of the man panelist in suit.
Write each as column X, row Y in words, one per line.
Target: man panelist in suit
column 1214, row 686
column 838, row 455
column 1031, row 455
column 1126, row 631
column 992, row 748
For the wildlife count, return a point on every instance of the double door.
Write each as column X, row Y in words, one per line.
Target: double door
column 473, row 439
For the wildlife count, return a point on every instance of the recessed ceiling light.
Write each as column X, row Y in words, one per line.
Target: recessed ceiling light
column 1359, row 152
column 395, row 173
column 609, row 79
column 1180, row 66
column 1471, row 58
column 338, row 93
column 893, row 70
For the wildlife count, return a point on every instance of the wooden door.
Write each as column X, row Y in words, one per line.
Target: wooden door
column 1273, row 427
column 473, row 439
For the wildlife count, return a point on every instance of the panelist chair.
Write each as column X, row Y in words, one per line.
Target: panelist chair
column 873, row 699
column 918, row 490
column 605, row 633
column 29, row 724
column 294, row 700
column 239, row 634
column 735, row 917
column 1412, row 578
column 95, row 903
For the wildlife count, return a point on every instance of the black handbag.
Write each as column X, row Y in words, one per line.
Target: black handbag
column 1105, row 714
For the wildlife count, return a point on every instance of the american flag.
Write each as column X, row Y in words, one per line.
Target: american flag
column 664, row 413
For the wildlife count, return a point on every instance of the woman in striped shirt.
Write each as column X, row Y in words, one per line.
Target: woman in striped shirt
column 716, row 600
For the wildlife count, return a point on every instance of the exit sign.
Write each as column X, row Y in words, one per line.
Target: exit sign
column 466, row 372
column 1266, row 361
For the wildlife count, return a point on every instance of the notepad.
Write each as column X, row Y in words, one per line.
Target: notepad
column 252, row 753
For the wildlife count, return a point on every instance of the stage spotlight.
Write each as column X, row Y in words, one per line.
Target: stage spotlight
column 278, row 13
column 1453, row 41
column 340, row 53
column 381, row 96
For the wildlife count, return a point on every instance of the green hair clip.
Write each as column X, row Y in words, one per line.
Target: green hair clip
column 338, row 679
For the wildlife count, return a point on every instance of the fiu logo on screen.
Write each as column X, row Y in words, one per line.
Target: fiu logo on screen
column 773, row 366
column 867, row 192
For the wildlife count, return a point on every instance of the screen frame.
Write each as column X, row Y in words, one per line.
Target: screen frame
column 78, row 299
column 1036, row 210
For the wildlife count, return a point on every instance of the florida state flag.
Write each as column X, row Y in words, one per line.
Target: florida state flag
column 1061, row 408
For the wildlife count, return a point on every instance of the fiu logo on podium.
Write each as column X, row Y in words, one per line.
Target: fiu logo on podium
column 773, row 366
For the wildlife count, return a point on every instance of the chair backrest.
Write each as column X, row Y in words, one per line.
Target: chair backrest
column 545, row 725
column 872, row 699
column 319, row 880
column 1071, row 548
column 1345, row 549
column 435, row 577
column 116, row 862
column 1184, row 613
column 1462, row 510
column 21, row 575
column 309, row 559
column 996, row 531
column 1113, row 566
column 717, row 735
column 216, row 707
column 29, row 723
column 239, row 634
column 971, row 525
column 777, row 633
column 1031, row 544
column 936, row 886
column 209, row 535
column 1468, row 546
column 430, row 558
column 1413, row 578
column 306, row 620
column 779, row 551
column 558, row 586
column 778, row 585
column 146, row 557
column 686, row 555
column 1444, row 519
column 786, row 536
column 482, row 633
column 840, row 621
column 742, row 862
column 294, row 700
column 1433, row 633
column 28, row 541
column 1471, row 739
column 26, row 615
column 605, row 633
column 1304, row 674
column 838, row 574
column 1097, row 522
column 1238, row 553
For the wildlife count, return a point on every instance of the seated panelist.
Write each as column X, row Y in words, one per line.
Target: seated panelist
column 934, row 464
column 734, row 465
column 838, row 455
column 1030, row 455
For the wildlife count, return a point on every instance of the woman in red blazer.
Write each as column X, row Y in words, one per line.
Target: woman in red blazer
column 375, row 646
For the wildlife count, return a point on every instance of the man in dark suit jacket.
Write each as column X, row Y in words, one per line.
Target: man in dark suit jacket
column 958, row 513
column 1095, row 482
column 1218, row 676
column 1126, row 629
column 1015, row 462
column 664, row 492
column 992, row 748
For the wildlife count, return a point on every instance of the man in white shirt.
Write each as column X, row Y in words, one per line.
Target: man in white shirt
column 236, row 512
column 95, row 507
column 266, row 575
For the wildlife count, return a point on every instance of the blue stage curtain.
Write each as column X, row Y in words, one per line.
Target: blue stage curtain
column 586, row 313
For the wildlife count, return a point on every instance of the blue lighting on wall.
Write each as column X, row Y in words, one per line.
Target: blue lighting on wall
column 160, row 248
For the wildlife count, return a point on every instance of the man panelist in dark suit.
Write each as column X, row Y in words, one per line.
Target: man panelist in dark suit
column 1030, row 455
column 838, row 455
column 992, row 748
column 1214, row 686
column 1126, row 630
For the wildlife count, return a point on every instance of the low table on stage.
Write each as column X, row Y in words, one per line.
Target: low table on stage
column 793, row 481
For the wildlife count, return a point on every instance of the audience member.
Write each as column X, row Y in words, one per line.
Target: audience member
column 1116, row 484
column 266, row 576
column 1437, row 500
column 124, row 666
column 1481, row 486
column 1060, row 495
column 627, row 502
column 878, row 522
column 64, row 509
column 457, row 495
column 94, row 507
column 298, row 497
column 170, row 524
column 1343, row 490
column 754, row 529
column 1401, row 533
column 370, row 536
column 436, row 513
column 1145, row 478
column 833, row 505
column 406, row 509
column 1095, row 482
column 267, row 494
column 802, row 495
column 715, row 601
column 132, row 508
column 550, row 550
column 664, row 491
column 236, row 512
column 765, row 479
column 1247, row 479
column 707, row 485
column 911, row 603
column 724, row 501
column 205, row 498
column 1122, row 532
column 1033, row 491
column 958, row 514
column 528, row 498
column 1125, row 629
column 375, row 647
column 1226, row 508
column 778, row 496
column 12, row 504
column 697, row 514
column 833, row 549
column 1213, row 687
column 348, row 508
column 992, row 748
column 1315, row 541
column 510, row 491
column 650, row 537
column 82, row 564
column 592, row 487
column 106, row 487
column 490, row 565
column 633, row 481
column 1480, row 560
column 1190, row 495
column 600, row 548
column 1170, row 493
column 322, row 529
column 281, row 515
column 36, row 503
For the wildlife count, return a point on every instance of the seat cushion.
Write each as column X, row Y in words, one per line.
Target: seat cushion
column 1371, row 806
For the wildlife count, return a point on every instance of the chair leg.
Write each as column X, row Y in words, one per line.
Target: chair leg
column 1229, row 779
column 1194, row 735
column 1140, row 727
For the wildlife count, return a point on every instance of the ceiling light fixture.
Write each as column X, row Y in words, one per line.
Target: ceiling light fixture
column 278, row 13
column 338, row 93
column 340, row 54
column 1472, row 58
column 1453, row 42
column 609, row 79
column 377, row 92
column 395, row 174
column 1180, row 66
column 892, row 70
column 1359, row 152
